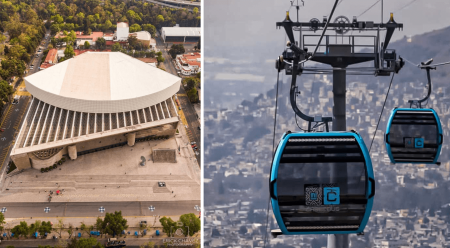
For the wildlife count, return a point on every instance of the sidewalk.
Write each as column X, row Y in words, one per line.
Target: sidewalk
column 131, row 239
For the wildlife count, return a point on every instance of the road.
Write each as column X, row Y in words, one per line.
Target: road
column 91, row 209
column 12, row 118
column 177, row 4
column 192, row 119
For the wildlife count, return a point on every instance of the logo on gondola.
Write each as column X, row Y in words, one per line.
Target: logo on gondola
column 313, row 194
column 318, row 198
column 418, row 142
column 331, row 196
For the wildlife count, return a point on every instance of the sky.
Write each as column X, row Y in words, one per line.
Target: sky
column 243, row 34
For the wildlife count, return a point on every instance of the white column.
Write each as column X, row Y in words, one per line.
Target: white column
column 57, row 125
column 73, row 124
column 176, row 111
column 81, row 124
column 37, row 125
column 45, row 123
column 51, row 125
column 165, row 102
column 151, row 114
column 31, row 125
column 65, row 125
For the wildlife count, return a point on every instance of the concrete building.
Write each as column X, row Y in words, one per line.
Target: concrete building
column 189, row 63
column 93, row 102
column 122, row 31
column 143, row 36
column 50, row 60
column 180, row 34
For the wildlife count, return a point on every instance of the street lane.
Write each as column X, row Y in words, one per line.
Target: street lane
column 91, row 209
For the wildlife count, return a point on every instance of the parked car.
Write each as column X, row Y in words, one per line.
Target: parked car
column 193, row 143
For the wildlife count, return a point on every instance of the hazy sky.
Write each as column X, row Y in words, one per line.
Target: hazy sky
column 231, row 25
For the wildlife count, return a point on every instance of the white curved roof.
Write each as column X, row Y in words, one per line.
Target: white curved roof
column 143, row 35
column 102, row 82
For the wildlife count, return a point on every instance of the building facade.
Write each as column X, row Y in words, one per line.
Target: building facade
column 94, row 102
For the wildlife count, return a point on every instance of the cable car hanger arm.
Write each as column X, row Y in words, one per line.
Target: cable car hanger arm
column 425, row 65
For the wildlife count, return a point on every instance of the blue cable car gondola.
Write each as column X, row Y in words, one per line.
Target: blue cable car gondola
column 322, row 183
column 414, row 135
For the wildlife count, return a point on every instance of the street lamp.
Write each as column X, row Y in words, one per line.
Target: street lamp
column 188, row 230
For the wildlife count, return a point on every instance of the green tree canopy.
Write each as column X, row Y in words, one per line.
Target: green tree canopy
column 54, row 29
column 192, row 221
column 21, row 230
column 167, row 223
column 12, row 67
column 176, row 49
column 116, row 47
column 87, row 45
column 149, row 28
column 2, row 216
column 57, row 18
column 193, row 95
column 190, row 82
column 160, row 18
column 101, row 43
column 135, row 28
column 84, row 243
column 114, row 223
column 69, row 52
column 132, row 41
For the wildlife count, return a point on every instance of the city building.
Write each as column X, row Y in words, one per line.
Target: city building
column 94, row 101
column 122, row 31
column 189, row 63
column 50, row 60
column 180, row 34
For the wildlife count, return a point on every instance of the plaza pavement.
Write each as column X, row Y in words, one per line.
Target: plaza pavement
column 112, row 175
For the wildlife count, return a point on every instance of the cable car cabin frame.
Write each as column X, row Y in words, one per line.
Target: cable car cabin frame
column 331, row 208
column 415, row 148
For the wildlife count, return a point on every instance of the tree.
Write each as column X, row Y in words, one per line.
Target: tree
column 44, row 246
column 57, row 19
column 135, row 28
column 193, row 95
column 12, row 67
column 160, row 18
column 87, row 229
column 21, row 230
column 100, row 43
column 167, row 223
column 195, row 10
column 54, row 29
column 18, row 52
column 132, row 41
column 2, row 221
column 160, row 60
column 150, row 245
column 114, row 223
column 69, row 52
column 59, row 227
column 46, row 227
column 198, row 46
column 190, row 83
column 87, row 45
column 116, row 47
column 84, row 243
column 149, row 28
column 99, row 225
column 70, row 230
column 142, row 227
column 192, row 222
column 176, row 49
